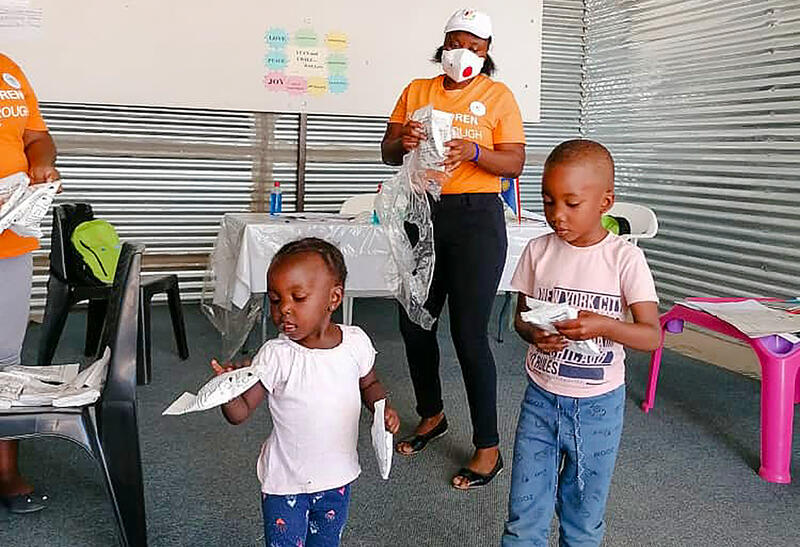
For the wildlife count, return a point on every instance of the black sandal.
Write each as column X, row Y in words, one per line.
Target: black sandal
column 25, row 503
column 419, row 442
column 477, row 480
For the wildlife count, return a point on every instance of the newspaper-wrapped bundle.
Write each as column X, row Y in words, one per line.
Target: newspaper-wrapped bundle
column 217, row 391
column 22, row 207
column 57, row 385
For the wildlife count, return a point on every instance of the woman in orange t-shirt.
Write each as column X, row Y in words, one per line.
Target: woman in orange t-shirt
column 469, row 232
column 25, row 146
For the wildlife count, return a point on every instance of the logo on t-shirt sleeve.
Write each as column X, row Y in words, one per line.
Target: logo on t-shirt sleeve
column 477, row 108
column 11, row 80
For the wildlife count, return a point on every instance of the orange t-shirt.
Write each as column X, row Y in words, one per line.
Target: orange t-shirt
column 19, row 110
column 485, row 112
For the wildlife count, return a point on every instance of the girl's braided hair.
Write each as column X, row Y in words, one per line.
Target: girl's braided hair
column 329, row 253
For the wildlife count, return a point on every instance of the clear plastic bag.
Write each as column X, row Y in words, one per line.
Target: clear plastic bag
column 404, row 211
column 405, row 215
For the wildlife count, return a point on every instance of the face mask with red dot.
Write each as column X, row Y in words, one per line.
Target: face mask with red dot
column 461, row 64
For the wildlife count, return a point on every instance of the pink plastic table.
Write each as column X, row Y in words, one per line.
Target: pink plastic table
column 780, row 385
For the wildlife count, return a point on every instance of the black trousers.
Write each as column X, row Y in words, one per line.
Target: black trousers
column 470, row 244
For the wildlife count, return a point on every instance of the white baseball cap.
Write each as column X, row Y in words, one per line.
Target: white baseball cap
column 472, row 21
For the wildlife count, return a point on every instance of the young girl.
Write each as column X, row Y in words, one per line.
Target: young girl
column 315, row 373
column 571, row 418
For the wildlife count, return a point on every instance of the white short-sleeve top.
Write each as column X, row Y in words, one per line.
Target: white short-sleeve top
column 315, row 403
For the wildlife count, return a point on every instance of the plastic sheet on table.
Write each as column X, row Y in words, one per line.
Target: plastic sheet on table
column 235, row 280
column 233, row 323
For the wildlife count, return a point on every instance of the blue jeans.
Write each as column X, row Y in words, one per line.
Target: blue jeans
column 564, row 455
column 305, row 520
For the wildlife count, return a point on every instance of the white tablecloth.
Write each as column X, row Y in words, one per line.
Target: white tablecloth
column 247, row 241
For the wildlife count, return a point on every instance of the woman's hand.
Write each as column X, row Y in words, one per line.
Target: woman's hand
column 588, row 325
column 391, row 419
column 43, row 173
column 41, row 153
column 411, row 135
column 458, row 151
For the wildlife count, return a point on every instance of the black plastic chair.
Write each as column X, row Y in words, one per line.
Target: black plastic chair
column 107, row 429
column 65, row 289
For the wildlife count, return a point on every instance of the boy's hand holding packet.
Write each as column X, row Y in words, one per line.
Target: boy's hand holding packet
column 559, row 319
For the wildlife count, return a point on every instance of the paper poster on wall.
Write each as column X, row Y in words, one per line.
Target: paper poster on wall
column 18, row 19
column 305, row 61
column 315, row 56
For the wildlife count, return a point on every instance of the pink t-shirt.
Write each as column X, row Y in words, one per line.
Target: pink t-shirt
column 604, row 278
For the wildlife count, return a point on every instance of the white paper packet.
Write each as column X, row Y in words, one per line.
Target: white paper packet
column 77, row 397
column 45, row 388
column 60, row 374
column 94, row 376
column 12, row 188
column 542, row 315
column 23, row 206
column 428, row 173
column 438, row 130
column 11, row 386
column 382, row 440
column 217, row 391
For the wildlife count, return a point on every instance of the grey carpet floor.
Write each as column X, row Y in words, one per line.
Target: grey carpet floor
column 685, row 475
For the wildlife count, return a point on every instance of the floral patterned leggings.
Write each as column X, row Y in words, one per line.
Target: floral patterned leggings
column 305, row 520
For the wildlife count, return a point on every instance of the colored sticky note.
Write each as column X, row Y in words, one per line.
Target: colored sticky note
column 275, row 81
column 337, row 63
column 317, row 86
column 305, row 37
column 276, row 38
column 338, row 83
column 336, row 41
column 276, row 60
column 296, row 85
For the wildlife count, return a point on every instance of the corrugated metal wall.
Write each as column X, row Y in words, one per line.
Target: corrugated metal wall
column 698, row 102
column 562, row 59
column 164, row 176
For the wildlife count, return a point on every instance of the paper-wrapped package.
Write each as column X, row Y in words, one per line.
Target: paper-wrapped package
column 217, row 391
column 54, row 385
column 382, row 440
column 22, row 207
column 542, row 315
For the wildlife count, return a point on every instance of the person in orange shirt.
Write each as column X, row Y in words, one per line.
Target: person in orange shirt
column 25, row 146
column 469, row 232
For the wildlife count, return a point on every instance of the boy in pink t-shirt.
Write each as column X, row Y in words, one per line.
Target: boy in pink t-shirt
column 571, row 417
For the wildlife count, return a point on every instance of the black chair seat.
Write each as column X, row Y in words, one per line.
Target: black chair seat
column 64, row 291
